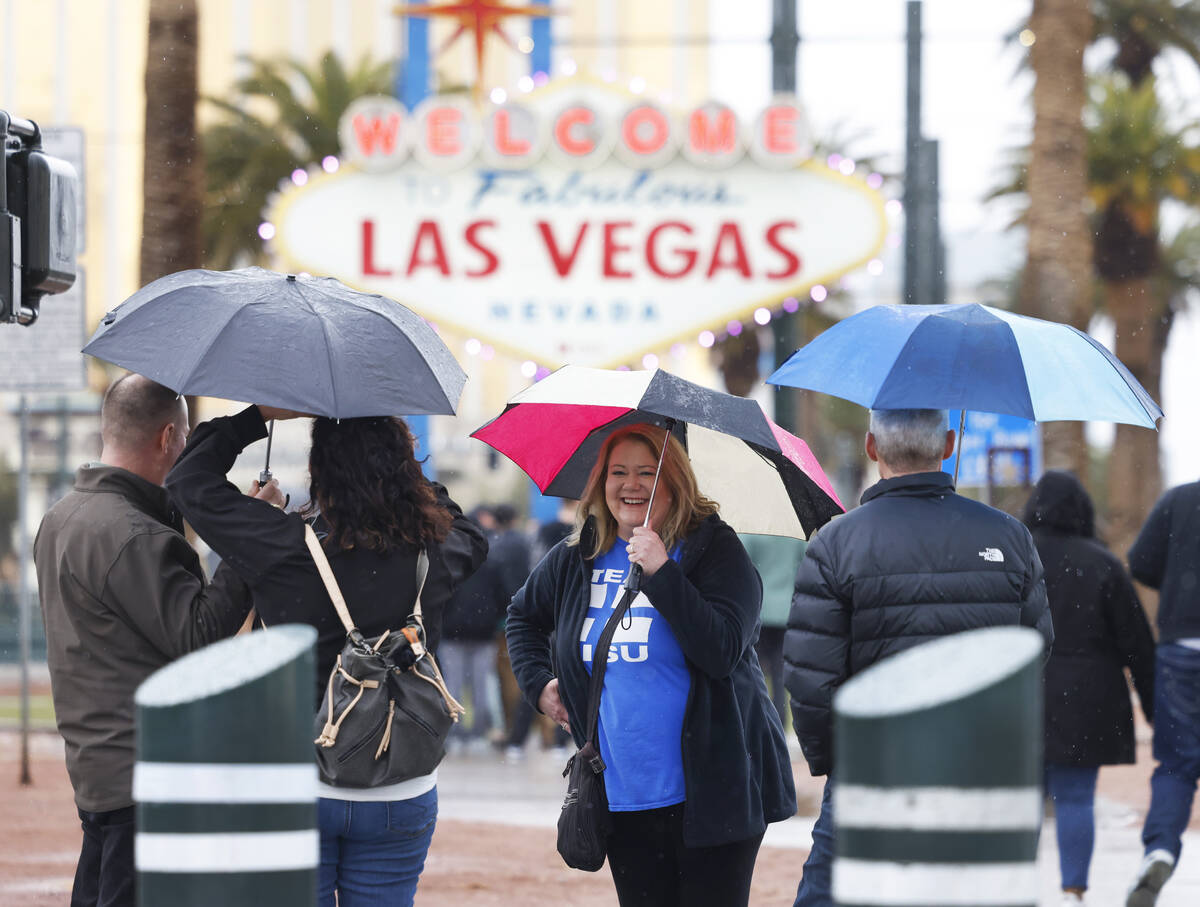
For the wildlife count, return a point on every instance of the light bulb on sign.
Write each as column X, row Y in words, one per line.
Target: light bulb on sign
column 266, row 230
column 734, row 328
column 649, row 361
column 528, row 368
column 875, row 267
column 762, row 316
column 791, row 304
column 498, row 95
column 818, row 293
column 473, row 347
column 707, row 339
column 299, row 176
column 330, row 164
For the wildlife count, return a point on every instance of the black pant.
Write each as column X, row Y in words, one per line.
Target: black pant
column 652, row 867
column 105, row 876
column 769, row 649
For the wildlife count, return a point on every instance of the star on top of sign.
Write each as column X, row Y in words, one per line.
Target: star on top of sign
column 478, row 16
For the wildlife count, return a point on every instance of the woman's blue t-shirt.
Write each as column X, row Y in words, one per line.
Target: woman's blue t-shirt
column 646, row 687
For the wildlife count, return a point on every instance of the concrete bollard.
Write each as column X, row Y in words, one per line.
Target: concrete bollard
column 938, row 767
column 225, row 781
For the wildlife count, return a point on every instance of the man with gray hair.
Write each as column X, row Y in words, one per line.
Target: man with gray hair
column 916, row 561
column 122, row 595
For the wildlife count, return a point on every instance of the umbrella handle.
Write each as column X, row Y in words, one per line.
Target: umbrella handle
column 962, row 421
column 265, row 476
column 633, row 582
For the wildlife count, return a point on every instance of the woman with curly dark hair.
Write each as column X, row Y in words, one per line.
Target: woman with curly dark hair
column 373, row 511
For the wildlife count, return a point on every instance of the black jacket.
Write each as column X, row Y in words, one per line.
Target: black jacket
column 266, row 547
column 735, row 763
column 1099, row 629
column 1166, row 556
column 914, row 563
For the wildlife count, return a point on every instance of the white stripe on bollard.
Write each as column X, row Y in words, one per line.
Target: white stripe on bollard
column 938, row 808
column 186, row 782
column 254, row 851
column 933, row 884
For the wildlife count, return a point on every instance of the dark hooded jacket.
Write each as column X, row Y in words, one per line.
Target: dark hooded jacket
column 1099, row 630
column 736, row 769
column 1166, row 557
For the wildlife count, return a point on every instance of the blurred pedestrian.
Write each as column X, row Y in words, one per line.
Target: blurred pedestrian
column 122, row 595
column 467, row 654
column 696, row 759
column 1099, row 630
column 915, row 562
column 1166, row 557
column 777, row 558
column 373, row 511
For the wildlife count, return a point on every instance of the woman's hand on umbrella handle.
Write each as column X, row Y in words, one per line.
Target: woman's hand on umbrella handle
column 549, row 703
column 271, row 493
column 275, row 412
column 646, row 549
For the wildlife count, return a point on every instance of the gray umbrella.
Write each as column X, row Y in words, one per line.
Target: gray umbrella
column 296, row 342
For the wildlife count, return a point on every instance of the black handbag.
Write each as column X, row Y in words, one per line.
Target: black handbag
column 386, row 711
column 584, row 823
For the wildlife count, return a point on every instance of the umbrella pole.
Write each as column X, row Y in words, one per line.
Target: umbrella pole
column 265, row 476
column 634, row 580
column 962, row 421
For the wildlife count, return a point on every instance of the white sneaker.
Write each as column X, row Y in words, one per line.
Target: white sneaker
column 514, row 754
column 1156, row 868
column 1071, row 899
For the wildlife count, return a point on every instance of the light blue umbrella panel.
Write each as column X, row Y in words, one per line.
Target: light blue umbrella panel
column 969, row 357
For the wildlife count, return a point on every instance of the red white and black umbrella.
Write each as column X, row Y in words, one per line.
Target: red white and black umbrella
column 766, row 480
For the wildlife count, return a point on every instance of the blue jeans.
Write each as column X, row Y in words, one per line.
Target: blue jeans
column 372, row 853
column 816, row 882
column 1073, row 790
column 1176, row 747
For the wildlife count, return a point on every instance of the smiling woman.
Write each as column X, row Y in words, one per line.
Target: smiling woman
column 687, row 803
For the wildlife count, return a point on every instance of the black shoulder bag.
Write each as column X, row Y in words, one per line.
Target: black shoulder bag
column 386, row 711
column 584, row 824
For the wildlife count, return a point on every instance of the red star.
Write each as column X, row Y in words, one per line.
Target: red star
column 481, row 17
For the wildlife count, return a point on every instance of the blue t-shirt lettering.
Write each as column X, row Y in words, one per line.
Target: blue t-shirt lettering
column 646, row 687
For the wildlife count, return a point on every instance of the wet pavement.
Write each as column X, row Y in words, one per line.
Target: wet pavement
column 480, row 785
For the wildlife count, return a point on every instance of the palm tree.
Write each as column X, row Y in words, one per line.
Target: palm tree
column 1142, row 29
column 173, row 169
column 247, row 154
column 1057, row 276
column 1136, row 161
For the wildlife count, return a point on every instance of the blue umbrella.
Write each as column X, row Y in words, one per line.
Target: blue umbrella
column 969, row 357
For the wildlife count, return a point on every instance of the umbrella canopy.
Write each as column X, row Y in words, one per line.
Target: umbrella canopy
column 766, row 480
column 969, row 357
column 297, row 342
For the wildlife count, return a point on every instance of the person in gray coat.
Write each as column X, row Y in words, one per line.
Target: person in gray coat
column 915, row 562
column 122, row 595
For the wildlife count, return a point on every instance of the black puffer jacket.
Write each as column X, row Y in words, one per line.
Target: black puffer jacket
column 736, row 769
column 914, row 563
column 1166, row 557
column 1099, row 629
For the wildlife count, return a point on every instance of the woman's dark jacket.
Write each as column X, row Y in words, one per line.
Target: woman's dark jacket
column 266, row 547
column 1099, row 630
column 735, row 762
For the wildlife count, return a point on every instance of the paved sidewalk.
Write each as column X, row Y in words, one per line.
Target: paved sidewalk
column 483, row 788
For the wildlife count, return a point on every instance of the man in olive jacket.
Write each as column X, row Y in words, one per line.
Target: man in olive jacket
column 915, row 562
column 122, row 595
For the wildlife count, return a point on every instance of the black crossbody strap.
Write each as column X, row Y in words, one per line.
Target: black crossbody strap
column 600, row 661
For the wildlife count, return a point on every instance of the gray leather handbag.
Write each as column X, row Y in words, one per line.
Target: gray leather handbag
column 386, row 711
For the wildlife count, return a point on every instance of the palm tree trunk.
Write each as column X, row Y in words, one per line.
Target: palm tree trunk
column 173, row 168
column 1134, row 473
column 1058, row 271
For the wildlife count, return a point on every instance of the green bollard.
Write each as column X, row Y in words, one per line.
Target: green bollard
column 225, row 781
column 937, row 794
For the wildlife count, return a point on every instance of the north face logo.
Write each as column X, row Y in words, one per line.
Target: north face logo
column 994, row 555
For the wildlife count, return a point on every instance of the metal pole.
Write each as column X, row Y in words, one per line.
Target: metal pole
column 785, row 42
column 937, row 780
column 23, row 616
column 913, row 195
